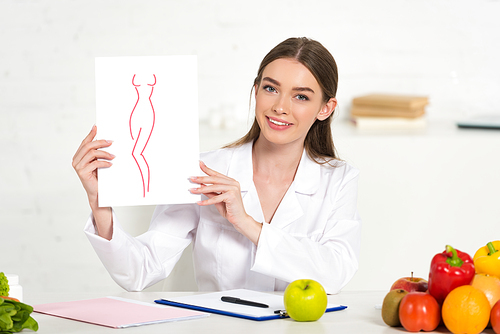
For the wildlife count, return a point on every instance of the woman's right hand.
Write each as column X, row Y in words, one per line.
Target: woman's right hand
column 87, row 159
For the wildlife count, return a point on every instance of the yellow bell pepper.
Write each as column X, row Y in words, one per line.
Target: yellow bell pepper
column 487, row 259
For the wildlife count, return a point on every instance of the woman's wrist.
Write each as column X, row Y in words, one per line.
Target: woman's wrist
column 93, row 202
column 252, row 230
column 103, row 221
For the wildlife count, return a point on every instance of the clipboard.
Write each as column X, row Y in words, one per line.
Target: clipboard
column 211, row 302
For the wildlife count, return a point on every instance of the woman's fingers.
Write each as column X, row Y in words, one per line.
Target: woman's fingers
column 208, row 180
column 88, row 158
column 205, row 169
column 224, row 193
column 214, row 189
column 212, row 177
column 214, row 199
column 91, row 156
column 214, row 184
column 88, row 145
column 93, row 149
column 86, row 140
column 211, row 172
column 87, row 171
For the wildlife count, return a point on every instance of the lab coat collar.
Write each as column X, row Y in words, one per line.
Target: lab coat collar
column 241, row 167
column 306, row 180
column 308, row 175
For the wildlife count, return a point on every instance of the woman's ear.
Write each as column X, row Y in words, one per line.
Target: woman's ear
column 327, row 109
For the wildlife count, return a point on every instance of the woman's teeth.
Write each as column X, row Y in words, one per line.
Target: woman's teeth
column 277, row 123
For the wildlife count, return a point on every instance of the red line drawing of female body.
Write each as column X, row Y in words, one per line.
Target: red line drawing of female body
column 141, row 124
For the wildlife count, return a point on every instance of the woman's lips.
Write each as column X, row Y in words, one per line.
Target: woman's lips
column 278, row 124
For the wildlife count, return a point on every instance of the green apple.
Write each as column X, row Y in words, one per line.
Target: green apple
column 305, row 300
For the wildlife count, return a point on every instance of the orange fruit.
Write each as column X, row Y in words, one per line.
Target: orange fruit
column 466, row 310
column 489, row 285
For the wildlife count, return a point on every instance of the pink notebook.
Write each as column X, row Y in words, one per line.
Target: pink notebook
column 116, row 312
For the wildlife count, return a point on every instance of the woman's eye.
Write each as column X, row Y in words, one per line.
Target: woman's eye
column 269, row 89
column 302, row 97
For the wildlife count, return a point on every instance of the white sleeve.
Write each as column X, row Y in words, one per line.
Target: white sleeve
column 138, row 262
column 332, row 260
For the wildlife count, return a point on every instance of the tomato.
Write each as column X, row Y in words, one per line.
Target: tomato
column 419, row 311
column 495, row 317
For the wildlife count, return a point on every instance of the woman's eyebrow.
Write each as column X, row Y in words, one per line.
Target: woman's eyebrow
column 276, row 83
column 303, row 89
column 271, row 80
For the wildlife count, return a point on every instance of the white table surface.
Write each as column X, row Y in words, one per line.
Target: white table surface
column 361, row 316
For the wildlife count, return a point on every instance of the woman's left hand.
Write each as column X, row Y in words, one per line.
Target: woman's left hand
column 224, row 192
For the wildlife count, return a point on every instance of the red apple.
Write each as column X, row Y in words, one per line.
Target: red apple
column 419, row 311
column 495, row 317
column 410, row 284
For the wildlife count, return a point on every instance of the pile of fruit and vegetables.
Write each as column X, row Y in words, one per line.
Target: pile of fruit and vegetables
column 462, row 293
column 14, row 315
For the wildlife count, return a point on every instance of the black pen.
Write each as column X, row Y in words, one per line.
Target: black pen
column 235, row 300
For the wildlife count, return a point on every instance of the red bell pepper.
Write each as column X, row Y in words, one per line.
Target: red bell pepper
column 449, row 270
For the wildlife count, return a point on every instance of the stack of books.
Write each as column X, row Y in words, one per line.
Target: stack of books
column 389, row 111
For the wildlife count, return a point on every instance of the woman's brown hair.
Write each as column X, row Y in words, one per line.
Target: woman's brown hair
column 318, row 60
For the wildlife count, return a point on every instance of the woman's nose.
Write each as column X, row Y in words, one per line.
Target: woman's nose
column 280, row 106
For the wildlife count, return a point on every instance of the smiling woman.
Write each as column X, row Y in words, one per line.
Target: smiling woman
column 277, row 205
column 322, row 66
column 289, row 98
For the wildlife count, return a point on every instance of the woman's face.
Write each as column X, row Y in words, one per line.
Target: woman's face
column 288, row 102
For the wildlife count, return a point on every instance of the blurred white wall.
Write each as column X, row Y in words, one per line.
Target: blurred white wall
column 448, row 50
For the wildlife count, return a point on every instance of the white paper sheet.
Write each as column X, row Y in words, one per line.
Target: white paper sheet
column 213, row 301
column 148, row 106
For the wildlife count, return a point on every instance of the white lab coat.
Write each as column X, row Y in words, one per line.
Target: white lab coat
column 315, row 233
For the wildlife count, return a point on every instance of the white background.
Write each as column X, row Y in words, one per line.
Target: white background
column 416, row 191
